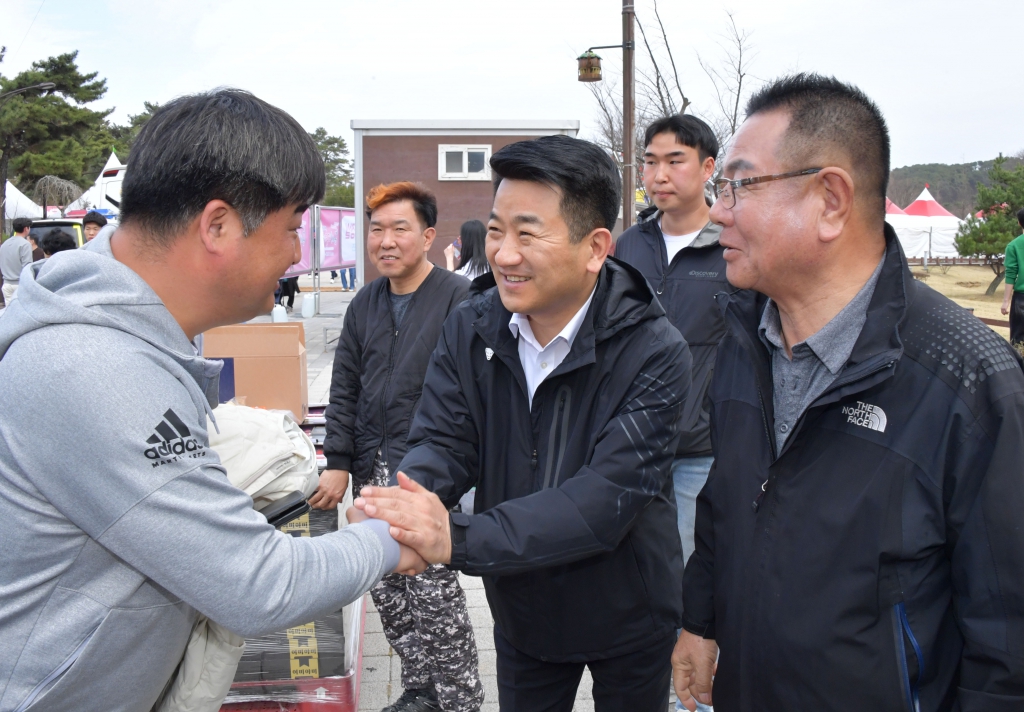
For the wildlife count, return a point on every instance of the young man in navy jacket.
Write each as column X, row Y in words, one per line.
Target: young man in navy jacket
column 675, row 246
column 559, row 394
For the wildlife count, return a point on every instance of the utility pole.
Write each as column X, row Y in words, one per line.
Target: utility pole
column 589, row 67
column 628, row 118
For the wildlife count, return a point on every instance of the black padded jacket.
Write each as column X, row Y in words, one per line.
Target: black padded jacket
column 575, row 525
column 877, row 561
column 378, row 370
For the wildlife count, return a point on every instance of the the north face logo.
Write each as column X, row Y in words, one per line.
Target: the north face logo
column 866, row 416
column 171, row 440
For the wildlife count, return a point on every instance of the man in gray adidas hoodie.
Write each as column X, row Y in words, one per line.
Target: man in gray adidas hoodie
column 111, row 546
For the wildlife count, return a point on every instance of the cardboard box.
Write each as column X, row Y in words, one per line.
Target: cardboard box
column 265, row 363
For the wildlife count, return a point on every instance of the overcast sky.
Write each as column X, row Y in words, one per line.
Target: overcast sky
column 946, row 77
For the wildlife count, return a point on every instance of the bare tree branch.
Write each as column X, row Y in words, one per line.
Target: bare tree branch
column 658, row 79
column 668, row 48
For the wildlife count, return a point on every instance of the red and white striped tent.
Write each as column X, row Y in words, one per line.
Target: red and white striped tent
column 892, row 209
column 925, row 228
column 927, row 206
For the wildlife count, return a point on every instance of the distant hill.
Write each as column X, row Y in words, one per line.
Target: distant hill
column 955, row 186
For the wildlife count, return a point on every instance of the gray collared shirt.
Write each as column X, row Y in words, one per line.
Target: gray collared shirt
column 797, row 382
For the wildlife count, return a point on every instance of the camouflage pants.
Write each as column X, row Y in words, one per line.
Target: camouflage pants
column 425, row 620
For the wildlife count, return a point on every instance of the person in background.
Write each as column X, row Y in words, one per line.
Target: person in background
column 675, row 245
column 472, row 251
column 91, row 224
column 334, row 276
column 37, row 250
column 288, row 287
column 348, row 279
column 15, row 255
column 1013, row 298
column 57, row 240
column 391, row 328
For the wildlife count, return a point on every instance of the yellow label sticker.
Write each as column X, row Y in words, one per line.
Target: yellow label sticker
column 306, row 630
column 297, row 527
column 305, row 667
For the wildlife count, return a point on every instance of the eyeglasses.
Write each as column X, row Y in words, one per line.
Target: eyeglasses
column 725, row 190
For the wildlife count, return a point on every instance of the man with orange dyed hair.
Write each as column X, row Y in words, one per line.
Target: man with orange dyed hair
column 391, row 329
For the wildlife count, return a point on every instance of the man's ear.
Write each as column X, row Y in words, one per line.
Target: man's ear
column 836, row 193
column 599, row 243
column 428, row 238
column 219, row 227
column 708, row 168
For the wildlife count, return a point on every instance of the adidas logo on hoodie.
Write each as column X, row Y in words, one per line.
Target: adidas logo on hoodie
column 171, row 440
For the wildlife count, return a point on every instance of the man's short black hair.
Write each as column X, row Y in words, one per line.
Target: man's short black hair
column 689, row 131
column 584, row 172
column 56, row 240
column 826, row 113
column 95, row 218
column 1020, row 217
column 225, row 144
column 20, row 224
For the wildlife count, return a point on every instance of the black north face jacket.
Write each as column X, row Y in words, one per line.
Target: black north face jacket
column 686, row 287
column 378, row 370
column 575, row 530
column 877, row 562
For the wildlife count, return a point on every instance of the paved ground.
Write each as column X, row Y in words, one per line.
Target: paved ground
column 382, row 672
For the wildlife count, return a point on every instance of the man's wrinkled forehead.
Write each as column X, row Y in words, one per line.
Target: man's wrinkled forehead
column 755, row 146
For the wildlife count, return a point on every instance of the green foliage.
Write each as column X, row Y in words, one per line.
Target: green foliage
column 49, row 133
column 342, row 196
column 999, row 202
column 338, row 166
column 122, row 137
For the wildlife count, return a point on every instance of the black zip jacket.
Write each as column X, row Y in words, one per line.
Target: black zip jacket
column 378, row 370
column 686, row 288
column 877, row 562
column 574, row 497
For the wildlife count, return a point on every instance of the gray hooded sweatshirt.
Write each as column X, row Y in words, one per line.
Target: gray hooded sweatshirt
column 117, row 521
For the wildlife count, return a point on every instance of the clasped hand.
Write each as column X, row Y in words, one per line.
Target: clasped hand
column 418, row 519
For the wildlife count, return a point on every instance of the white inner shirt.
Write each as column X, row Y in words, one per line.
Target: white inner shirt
column 674, row 243
column 539, row 361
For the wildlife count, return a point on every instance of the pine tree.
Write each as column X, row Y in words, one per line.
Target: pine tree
column 48, row 133
column 989, row 235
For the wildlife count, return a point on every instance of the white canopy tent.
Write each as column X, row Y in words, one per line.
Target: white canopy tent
column 93, row 197
column 926, row 229
column 19, row 206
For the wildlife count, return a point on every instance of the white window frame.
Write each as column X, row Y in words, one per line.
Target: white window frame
column 443, row 174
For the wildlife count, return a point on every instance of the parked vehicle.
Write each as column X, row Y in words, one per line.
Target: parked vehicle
column 70, row 225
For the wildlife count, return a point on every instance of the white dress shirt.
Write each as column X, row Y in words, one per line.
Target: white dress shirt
column 539, row 361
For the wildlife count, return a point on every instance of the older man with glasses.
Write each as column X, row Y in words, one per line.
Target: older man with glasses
column 858, row 542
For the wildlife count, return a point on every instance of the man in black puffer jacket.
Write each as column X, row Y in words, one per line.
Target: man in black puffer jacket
column 391, row 328
column 559, row 394
column 859, row 540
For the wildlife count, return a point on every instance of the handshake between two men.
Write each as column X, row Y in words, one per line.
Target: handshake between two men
column 418, row 522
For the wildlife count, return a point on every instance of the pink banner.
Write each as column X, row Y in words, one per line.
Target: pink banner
column 305, row 265
column 337, row 238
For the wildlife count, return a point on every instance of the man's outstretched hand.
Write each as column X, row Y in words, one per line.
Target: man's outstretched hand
column 409, row 562
column 693, row 666
column 417, row 517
